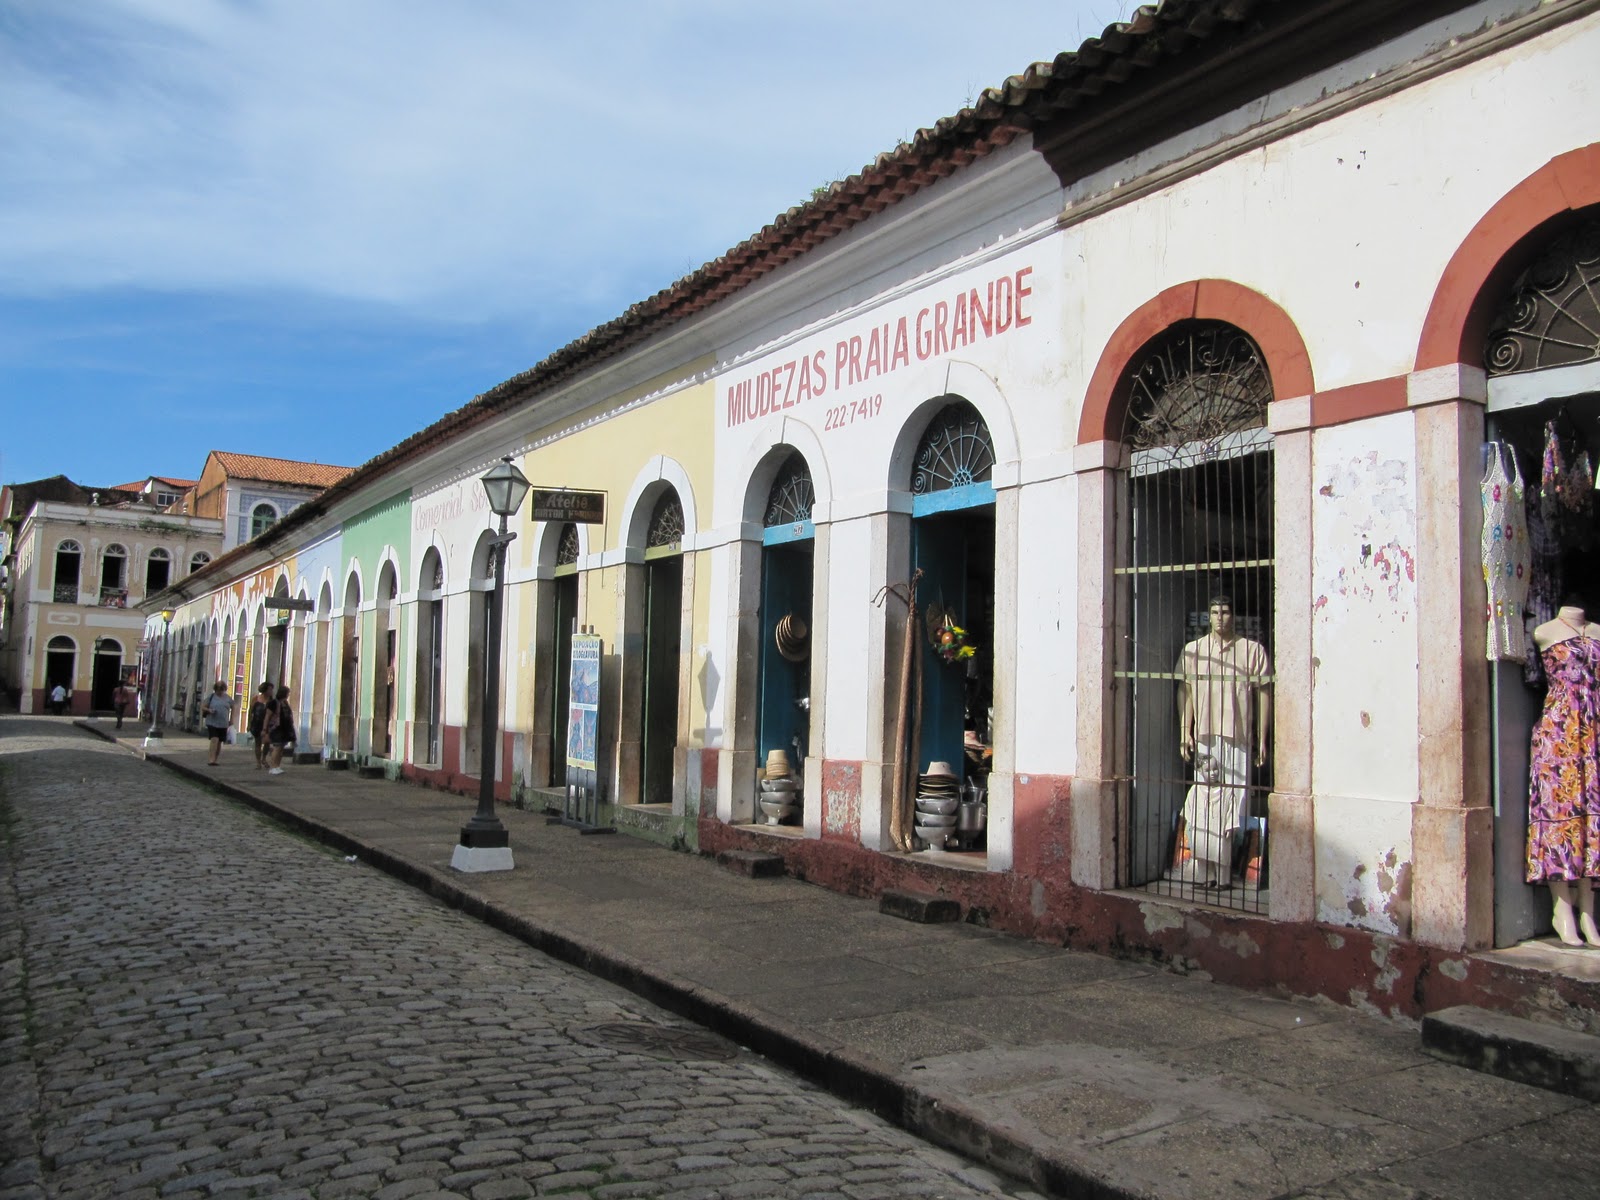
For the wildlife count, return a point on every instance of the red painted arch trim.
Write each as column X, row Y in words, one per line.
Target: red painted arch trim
column 1485, row 263
column 1202, row 299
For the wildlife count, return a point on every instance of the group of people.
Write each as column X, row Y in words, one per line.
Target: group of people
column 271, row 724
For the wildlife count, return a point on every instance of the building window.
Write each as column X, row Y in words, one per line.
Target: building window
column 164, row 499
column 197, row 561
column 262, row 518
column 157, row 571
column 114, row 577
column 69, row 560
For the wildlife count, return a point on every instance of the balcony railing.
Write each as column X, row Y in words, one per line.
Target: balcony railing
column 66, row 593
column 113, row 597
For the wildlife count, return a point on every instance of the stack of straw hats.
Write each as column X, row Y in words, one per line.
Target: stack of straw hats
column 791, row 635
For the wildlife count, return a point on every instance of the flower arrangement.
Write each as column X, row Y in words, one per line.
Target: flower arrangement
column 950, row 640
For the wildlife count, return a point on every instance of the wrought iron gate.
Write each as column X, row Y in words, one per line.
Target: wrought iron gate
column 1194, row 600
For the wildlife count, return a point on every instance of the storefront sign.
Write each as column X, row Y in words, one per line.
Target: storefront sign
column 564, row 504
column 946, row 322
column 288, row 604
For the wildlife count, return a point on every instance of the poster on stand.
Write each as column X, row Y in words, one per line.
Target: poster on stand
column 583, row 704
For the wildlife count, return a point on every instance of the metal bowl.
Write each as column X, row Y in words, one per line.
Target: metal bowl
column 935, row 838
column 936, row 820
column 780, row 786
column 936, row 805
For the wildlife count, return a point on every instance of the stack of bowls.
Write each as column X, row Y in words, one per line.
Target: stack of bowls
column 780, row 790
column 938, row 797
column 790, row 636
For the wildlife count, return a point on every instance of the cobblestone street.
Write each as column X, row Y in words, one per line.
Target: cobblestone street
column 199, row 1004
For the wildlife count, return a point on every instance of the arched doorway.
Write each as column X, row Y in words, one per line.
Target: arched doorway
column 60, row 666
column 1542, row 356
column 563, row 617
column 1193, row 596
column 386, row 641
column 482, row 585
column 68, row 572
column 788, row 568
column 428, row 728
column 350, row 665
column 663, row 619
column 320, row 667
column 107, row 673
column 277, row 649
column 953, row 546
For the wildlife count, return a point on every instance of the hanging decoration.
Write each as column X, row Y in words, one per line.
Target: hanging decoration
column 947, row 637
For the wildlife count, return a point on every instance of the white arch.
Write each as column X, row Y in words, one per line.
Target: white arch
column 637, row 508
column 762, row 460
column 352, row 575
column 550, row 542
column 388, row 555
column 440, row 547
column 939, row 385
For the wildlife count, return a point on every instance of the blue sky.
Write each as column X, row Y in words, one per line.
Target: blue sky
column 308, row 228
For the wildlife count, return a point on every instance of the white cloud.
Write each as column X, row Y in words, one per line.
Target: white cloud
column 486, row 158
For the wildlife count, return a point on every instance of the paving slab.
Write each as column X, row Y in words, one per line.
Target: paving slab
column 1086, row 1075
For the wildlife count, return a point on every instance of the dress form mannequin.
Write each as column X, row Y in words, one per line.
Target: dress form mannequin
column 1224, row 718
column 1573, row 898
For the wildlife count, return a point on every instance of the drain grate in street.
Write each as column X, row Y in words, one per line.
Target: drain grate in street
column 656, row 1041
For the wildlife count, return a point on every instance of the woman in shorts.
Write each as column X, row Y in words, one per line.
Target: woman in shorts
column 218, row 714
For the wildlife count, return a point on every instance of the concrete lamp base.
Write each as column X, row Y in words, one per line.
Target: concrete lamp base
column 482, row 858
column 154, row 742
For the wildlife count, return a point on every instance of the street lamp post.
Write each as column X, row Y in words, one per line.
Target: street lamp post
column 485, row 845
column 152, row 737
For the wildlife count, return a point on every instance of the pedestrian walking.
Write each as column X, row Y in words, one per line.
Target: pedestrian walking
column 258, row 723
column 280, row 729
column 121, row 698
column 58, row 699
column 218, row 713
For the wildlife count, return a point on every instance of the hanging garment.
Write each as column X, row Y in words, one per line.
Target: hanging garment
column 1215, row 807
column 1506, row 563
column 1566, row 490
column 1564, row 771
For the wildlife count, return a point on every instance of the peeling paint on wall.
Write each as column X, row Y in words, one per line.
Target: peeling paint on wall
column 1376, row 895
column 1161, row 917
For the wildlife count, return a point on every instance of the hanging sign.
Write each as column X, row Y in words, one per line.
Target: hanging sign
column 565, row 504
column 583, row 703
column 288, row 604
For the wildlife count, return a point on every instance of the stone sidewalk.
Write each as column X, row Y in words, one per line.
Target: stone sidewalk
column 1086, row 1076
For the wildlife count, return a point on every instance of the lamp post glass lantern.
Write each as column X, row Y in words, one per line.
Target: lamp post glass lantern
column 154, row 732
column 485, row 845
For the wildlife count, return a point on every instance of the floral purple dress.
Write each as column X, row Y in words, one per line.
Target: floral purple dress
column 1564, row 775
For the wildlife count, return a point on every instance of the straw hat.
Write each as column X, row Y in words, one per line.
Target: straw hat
column 790, row 635
column 940, row 768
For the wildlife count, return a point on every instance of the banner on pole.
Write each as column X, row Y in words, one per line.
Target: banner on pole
column 583, row 703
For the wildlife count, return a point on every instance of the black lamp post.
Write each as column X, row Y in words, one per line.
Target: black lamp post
column 485, row 845
column 152, row 737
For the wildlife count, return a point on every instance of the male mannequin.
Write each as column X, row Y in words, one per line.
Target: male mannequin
column 1553, row 794
column 1225, row 713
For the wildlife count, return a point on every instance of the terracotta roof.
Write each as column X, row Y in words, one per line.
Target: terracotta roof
column 138, row 485
column 279, row 470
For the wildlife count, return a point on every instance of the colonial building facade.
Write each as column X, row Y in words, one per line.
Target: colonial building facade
column 956, row 465
column 76, row 573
